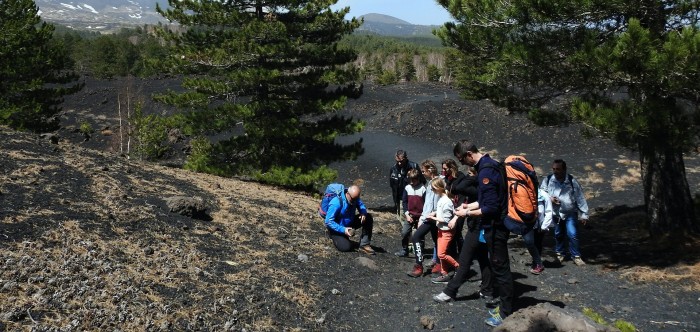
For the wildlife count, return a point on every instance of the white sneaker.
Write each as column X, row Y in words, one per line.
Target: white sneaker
column 442, row 298
column 579, row 261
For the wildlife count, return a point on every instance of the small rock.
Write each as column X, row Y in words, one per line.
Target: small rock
column 572, row 281
column 626, row 309
column 321, row 319
column 303, row 258
column 427, row 322
column 148, row 251
column 335, row 291
column 416, row 309
column 367, row 262
column 609, row 309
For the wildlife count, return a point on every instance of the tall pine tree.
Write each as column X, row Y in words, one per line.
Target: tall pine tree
column 264, row 75
column 34, row 70
column 630, row 68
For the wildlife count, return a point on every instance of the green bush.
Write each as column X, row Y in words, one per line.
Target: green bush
column 388, row 77
column 292, row 177
column 150, row 133
column 547, row 118
column 85, row 128
column 200, row 158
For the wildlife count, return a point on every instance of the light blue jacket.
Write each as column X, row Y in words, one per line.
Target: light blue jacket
column 337, row 218
column 570, row 194
column 431, row 200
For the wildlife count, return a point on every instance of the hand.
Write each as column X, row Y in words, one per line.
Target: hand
column 452, row 223
column 555, row 200
column 409, row 219
column 584, row 221
column 461, row 212
column 363, row 218
column 349, row 232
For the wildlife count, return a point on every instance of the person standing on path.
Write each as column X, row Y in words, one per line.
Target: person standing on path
column 491, row 207
column 569, row 206
column 413, row 201
column 425, row 225
column 398, row 179
column 341, row 221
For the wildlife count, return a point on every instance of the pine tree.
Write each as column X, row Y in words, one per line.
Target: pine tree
column 34, row 71
column 630, row 69
column 267, row 74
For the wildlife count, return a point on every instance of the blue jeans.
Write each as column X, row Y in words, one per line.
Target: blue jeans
column 567, row 228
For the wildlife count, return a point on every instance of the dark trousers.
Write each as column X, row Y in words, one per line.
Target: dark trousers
column 472, row 248
column 343, row 243
column 497, row 243
column 406, row 230
column 419, row 239
column 458, row 242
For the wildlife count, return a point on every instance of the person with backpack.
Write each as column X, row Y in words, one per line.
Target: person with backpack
column 473, row 247
column 398, row 180
column 569, row 206
column 413, row 201
column 491, row 206
column 341, row 221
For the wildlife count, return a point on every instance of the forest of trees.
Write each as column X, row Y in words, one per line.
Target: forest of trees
column 629, row 70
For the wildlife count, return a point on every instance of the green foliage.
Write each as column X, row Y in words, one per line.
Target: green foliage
column 33, row 75
column 624, row 326
column 630, row 72
column 543, row 117
column 85, row 128
column 295, row 178
column 269, row 77
column 150, row 134
column 387, row 77
column 201, row 158
column 433, row 73
column 596, row 317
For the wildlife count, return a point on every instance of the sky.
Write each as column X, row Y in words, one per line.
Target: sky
column 423, row 12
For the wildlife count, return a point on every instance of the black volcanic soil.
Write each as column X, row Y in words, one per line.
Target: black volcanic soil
column 88, row 242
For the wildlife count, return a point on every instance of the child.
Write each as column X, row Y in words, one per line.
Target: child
column 445, row 224
column 425, row 225
column 413, row 200
column 533, row 239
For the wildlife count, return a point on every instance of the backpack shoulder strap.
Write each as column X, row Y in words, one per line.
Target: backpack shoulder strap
column 571, row 181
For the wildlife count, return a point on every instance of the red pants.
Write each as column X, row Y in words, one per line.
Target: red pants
column 444, row 238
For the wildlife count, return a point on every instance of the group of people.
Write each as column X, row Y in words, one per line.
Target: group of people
column 442, row 203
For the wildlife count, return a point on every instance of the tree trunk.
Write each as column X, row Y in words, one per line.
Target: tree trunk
column 667, row 197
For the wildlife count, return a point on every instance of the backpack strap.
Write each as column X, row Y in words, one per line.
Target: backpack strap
column 571, row 182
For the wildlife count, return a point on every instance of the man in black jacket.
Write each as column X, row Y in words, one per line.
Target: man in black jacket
column 398, row 180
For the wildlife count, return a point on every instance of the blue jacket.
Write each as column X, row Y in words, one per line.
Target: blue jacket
column 489, row 189
column 337, row 218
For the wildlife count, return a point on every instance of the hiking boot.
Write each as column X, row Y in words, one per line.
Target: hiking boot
column 579, row 261
column 537, row 269
column 367, row 249
column 437, row 269
column 494, row 320
column 402, row 253
column 560, row 258
column 495, row 311
column 442, row 298
column 416, row 272
column 442, row 279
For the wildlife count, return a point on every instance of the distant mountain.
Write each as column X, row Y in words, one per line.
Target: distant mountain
column 100, row 15
column 110, row 15
column 386, row 25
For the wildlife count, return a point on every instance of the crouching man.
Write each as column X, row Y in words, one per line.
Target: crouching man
column 341, row 221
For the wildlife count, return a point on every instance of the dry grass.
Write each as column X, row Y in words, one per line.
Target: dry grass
column 632, row 178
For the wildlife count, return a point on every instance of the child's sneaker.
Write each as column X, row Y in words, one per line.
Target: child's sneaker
column 579, row 261
column 537, row 269
column 442, row 279
column 560, row 258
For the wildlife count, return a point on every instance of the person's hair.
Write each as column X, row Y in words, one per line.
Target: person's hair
column 560, row 161
column 451, row 166
column 402, row 154
column 438, row 185
column 462, row 147
column 412, row 174
column 472, row 169
column 429, row 165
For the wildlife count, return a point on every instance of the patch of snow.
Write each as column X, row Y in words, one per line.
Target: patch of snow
column 68, row 6
column 92, row 9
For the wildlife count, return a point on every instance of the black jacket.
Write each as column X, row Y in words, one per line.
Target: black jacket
column 398, row 180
